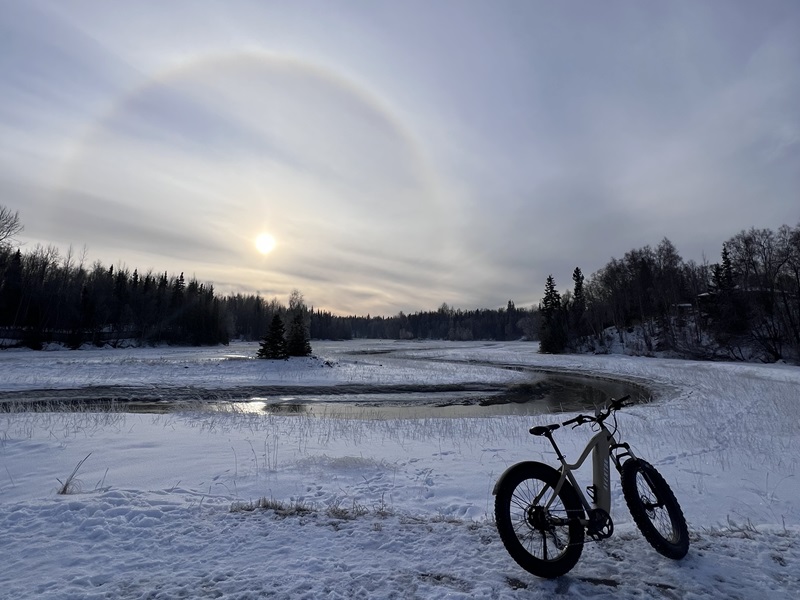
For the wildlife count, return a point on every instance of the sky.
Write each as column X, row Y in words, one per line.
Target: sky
column 398, row 154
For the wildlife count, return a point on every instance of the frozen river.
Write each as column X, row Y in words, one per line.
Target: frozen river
column 229, row 378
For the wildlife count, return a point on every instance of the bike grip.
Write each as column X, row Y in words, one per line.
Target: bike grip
column 580, row 420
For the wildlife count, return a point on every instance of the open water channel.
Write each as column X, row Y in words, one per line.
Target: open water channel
column 544, row 393
column 354, row 380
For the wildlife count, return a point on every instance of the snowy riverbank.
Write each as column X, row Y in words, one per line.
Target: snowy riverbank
column 396, row 508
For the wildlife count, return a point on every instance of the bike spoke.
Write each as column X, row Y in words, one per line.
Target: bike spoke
column 541, row 531
column 520, row 502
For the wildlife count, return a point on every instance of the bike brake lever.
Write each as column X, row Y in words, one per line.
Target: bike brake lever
column 580, row 420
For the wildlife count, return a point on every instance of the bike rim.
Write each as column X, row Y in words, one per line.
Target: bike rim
column 542, row 532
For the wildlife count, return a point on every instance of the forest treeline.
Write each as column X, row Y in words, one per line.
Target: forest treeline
column 749, row 300
column 46, row 297
column 746, row 306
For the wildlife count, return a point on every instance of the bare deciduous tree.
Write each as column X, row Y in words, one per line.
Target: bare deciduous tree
column 10, row 225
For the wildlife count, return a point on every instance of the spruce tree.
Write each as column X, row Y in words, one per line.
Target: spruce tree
column 727, row 270
column 274, row 345
column 298, row 343
column 578, row 307
column 552, row 335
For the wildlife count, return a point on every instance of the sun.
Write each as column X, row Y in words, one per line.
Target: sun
column 265, row 243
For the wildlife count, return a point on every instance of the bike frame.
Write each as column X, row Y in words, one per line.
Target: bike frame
column 603, row 446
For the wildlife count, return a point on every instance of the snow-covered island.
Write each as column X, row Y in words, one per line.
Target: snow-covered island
column 244, row 500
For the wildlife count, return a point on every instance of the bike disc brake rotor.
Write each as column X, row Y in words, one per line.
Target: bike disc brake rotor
column 650, row 501
column 538, row 518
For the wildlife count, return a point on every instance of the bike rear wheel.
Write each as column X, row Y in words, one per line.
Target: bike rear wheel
column 544, row 540
column 654, row 508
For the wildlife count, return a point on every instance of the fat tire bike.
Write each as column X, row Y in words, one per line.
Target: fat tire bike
column 543, row 516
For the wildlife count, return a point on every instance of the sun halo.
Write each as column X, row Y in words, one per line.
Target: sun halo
column 265, row 243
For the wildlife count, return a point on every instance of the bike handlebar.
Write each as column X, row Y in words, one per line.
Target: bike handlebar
column 602, row 415
column 579, row 420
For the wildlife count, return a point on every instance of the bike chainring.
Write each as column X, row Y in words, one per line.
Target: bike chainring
column 600, row 524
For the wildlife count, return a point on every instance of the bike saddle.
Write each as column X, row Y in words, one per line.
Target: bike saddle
column 544, row 429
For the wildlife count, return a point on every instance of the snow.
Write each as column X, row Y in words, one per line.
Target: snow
column 165, row 504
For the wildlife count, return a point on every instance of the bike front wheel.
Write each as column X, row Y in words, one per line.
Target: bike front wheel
column 541, row 532
column 654, row 508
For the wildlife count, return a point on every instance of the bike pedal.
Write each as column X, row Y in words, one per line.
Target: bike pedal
column 592, row 491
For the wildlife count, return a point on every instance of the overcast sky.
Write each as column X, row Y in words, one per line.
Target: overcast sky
column 401, row 154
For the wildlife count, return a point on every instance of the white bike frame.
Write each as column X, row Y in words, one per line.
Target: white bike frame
column 600, row 446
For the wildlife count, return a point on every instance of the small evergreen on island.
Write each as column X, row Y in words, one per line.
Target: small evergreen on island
column 298, row 343
column 277, row 345
column 274, row 345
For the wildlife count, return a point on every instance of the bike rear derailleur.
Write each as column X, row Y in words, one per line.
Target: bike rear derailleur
column 600, row 525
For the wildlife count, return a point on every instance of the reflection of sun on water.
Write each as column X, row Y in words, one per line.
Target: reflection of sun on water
column 265, row 243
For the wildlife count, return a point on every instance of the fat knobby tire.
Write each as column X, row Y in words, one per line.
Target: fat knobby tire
column 514, row 494
column 639, row 492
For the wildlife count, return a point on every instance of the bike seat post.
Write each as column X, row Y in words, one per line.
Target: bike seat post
column 547, row 431
column 550, row 437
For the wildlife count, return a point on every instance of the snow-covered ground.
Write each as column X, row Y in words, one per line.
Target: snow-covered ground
column 378, row 508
